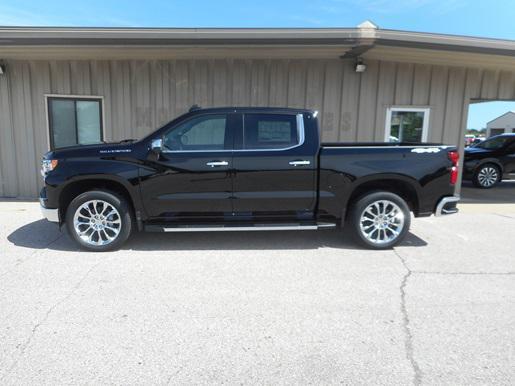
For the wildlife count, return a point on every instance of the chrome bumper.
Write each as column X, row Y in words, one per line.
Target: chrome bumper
column 51, row 215
column 447, row 205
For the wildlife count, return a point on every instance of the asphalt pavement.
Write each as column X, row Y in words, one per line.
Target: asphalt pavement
column 260, row 308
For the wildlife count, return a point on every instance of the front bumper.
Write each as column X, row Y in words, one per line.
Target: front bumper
column 447, row 205
column 50, row 214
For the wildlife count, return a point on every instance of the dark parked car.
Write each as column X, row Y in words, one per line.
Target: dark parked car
column 251, row 169
column 488, row 162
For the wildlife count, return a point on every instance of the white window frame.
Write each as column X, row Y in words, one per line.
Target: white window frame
column 73, row 96
column 425, row 123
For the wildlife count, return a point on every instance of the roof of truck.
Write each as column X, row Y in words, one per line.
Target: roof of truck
column 240, row 109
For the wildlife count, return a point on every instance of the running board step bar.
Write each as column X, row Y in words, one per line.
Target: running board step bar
column 236, row 227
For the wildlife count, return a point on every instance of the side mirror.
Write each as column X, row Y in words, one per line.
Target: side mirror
column 156, row 145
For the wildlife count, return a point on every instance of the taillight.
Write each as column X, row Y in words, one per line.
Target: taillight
column 454, row 156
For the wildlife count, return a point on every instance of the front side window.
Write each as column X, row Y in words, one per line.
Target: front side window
column 206, row 133
column 494, row 143
column 270, row 131
column 74, row 121
column 406, row 125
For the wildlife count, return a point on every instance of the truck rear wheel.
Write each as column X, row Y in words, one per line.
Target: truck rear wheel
column 379, row 220
column 99, row 220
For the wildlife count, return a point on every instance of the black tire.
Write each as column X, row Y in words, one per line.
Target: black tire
column 106, row 198
column 395, row 227
column 483, row 176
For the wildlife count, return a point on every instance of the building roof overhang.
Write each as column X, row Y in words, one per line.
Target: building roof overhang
column 366, row 40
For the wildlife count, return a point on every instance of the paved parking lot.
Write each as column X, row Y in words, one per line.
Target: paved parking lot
column 267, row 308
column 503, row 193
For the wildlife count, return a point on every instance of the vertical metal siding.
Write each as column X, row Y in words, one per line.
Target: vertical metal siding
column 141, row 95
column 8, row 175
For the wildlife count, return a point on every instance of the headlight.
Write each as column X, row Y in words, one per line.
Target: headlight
column 47, row 165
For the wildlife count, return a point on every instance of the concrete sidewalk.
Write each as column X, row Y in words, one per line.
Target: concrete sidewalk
column 267, row 308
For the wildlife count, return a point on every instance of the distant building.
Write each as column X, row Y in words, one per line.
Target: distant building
column 502, row 124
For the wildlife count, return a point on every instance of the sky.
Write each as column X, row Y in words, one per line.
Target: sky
column 493, row 18
column 482, row 113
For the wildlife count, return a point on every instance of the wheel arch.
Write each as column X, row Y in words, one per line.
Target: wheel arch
column 493, row 161
column 83, row 184
column 404, row 187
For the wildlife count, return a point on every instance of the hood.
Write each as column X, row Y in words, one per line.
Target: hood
column 96, row 150
column 474, row 149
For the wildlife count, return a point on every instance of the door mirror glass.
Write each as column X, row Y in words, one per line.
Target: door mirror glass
column 156, row 145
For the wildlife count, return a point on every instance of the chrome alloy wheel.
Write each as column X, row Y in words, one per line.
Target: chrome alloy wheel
column 97, row 222
column 381, row 222
column 487, row 176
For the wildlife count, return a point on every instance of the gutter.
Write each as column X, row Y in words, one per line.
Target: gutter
column 364, row 37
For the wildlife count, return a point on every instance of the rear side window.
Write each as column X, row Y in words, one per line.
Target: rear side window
column 270, row 131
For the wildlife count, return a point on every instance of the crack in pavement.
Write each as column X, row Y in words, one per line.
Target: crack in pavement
column 418, row 374
column 171, row 376
column 463, row 273
column 504, row 215
column 52, row 308
column 408, row 341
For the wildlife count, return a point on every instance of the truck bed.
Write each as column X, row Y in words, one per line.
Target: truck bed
column 378, row 144
column 424, row 169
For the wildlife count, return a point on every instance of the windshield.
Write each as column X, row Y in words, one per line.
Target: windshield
column 493, row 143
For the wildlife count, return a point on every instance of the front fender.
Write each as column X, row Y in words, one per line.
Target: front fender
column 71, row 172
column 494, row 161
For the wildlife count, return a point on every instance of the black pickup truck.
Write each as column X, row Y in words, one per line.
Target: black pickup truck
column 232, row 169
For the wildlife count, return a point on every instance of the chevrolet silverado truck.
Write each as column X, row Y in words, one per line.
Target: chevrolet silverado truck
column 245, row 169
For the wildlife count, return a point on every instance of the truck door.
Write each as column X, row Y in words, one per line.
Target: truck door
column 192, row 175
column 274, row 167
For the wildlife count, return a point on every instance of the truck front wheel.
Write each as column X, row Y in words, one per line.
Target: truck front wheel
column 379, row 220
column 99, row 220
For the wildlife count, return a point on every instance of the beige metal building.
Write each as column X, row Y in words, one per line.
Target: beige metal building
column 501, row 125
column 60, row 86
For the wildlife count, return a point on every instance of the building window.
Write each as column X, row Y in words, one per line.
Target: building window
column 496, row 132
column 74, row 121
column 406, row 124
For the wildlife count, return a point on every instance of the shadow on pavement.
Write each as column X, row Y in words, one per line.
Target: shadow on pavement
column 503, row 193
column 43, row 235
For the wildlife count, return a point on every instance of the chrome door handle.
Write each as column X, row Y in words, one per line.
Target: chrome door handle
column 299, row 163
column 217, row 163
